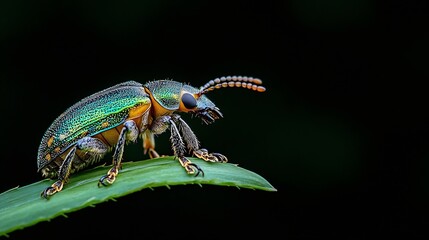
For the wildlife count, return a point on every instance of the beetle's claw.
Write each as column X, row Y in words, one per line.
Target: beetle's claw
column 220, row 157
column 101, row 181
column 109, row 178
column 51, row 190
column 193, row 168
column 190, row 167
column 106, row 178
column 47, row 192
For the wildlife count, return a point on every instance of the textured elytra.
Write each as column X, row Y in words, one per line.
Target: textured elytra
column 98, row 112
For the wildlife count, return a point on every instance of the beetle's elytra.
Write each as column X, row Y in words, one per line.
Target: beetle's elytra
column 107, row 120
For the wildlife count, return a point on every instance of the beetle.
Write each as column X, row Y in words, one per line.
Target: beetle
column 109, row 119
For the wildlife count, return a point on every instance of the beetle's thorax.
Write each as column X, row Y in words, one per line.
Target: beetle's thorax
column 157, row 109
column 164, row 95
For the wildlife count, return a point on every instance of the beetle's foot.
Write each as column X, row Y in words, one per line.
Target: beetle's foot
column 109, row 178
column 54, row 188
column 190, row 167
column 210, row 157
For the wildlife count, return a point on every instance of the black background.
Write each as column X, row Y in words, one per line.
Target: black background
column 341, row 131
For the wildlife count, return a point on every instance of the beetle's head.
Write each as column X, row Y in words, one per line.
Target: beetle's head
column 194, row 101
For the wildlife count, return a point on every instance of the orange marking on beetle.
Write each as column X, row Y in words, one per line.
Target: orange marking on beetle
column 111, row 136
column 57, row 149
column 105, row 124
column 83, row 134
column 48, row 156
column 138, row 111
column 50, row 141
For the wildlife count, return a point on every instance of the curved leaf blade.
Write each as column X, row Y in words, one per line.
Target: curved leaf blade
column 21, row 207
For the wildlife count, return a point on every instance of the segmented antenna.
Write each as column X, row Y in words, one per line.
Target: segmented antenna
column 232, row 81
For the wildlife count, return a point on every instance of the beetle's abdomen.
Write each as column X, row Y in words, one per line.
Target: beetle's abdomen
column 82, row 159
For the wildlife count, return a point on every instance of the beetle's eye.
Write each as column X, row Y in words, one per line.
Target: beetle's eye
column 189, row 101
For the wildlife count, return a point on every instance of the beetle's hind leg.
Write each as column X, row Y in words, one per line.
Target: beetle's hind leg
column 92, row 146
column 63, row 175
column 129, row 132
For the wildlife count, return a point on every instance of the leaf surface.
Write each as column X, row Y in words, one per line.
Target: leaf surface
column 21, row 207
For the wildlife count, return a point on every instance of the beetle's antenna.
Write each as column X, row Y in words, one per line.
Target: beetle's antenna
column 232, row 81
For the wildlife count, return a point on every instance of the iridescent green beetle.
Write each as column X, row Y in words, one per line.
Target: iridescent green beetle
column 108, row 119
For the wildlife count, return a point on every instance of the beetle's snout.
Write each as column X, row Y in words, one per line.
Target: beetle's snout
column 209, row 115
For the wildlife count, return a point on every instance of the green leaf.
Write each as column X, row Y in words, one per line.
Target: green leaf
column 21, row 207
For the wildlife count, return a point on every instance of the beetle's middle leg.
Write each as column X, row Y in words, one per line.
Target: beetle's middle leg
column 149, row 144
column 129, row 132
column 158, row 126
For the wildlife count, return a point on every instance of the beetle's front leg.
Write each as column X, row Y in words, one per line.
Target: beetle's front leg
column 193, row 144
column 179, row 151
column 129, row 132
column 202, row 153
